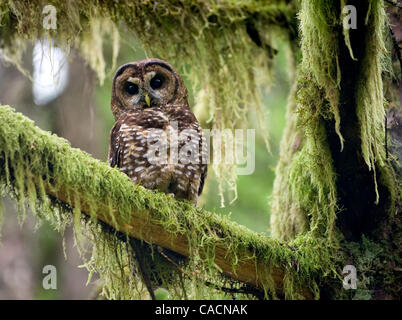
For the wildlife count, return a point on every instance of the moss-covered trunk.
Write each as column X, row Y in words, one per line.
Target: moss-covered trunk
column 335, row 178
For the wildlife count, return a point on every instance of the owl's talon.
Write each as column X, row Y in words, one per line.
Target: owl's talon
column 171, row 195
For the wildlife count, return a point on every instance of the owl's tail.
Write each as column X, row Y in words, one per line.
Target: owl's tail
column 138, row 249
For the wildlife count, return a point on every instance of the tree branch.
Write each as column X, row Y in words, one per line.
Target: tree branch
column 104, row 193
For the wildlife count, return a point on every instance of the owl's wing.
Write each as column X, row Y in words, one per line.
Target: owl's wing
column 204, row 156
column 114, row 153
column 116, row 147
column 202, row 181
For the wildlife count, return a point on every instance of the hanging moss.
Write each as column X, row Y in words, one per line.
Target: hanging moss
column 305, row 195
column 35, row 163
column 304, row 198
column 222, row 46
column 305, row 189
column 370, row 97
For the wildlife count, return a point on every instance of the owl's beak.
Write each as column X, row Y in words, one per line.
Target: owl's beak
column 147, row 99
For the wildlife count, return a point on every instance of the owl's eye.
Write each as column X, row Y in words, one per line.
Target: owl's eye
column 131, row 88
column 156, row 82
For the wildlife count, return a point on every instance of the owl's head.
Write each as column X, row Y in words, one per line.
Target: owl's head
column 147, row 83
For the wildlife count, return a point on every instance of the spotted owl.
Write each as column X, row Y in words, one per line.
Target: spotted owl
column 156, row 139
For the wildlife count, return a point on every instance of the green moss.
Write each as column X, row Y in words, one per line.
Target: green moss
column 370, row 96
column 305, row 195
column 372, row 259
column 31, row 158
column 365, row 256
column 304, row 199
column 305, row 185
column 209, row 41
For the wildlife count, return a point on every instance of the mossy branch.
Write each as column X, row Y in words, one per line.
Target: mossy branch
column 35, row 164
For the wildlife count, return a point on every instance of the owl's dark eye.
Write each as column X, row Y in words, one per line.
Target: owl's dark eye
column 131, row 88
column 156, row 82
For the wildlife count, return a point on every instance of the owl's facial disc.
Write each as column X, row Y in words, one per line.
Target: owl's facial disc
column 150, row 83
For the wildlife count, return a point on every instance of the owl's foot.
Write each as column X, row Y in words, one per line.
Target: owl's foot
column 171, row 195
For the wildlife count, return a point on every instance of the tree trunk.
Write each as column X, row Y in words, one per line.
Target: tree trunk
column 335, row 167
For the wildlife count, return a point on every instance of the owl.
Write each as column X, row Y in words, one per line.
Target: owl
column 156, row 139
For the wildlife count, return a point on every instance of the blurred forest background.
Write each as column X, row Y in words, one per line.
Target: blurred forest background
column 63, row 96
